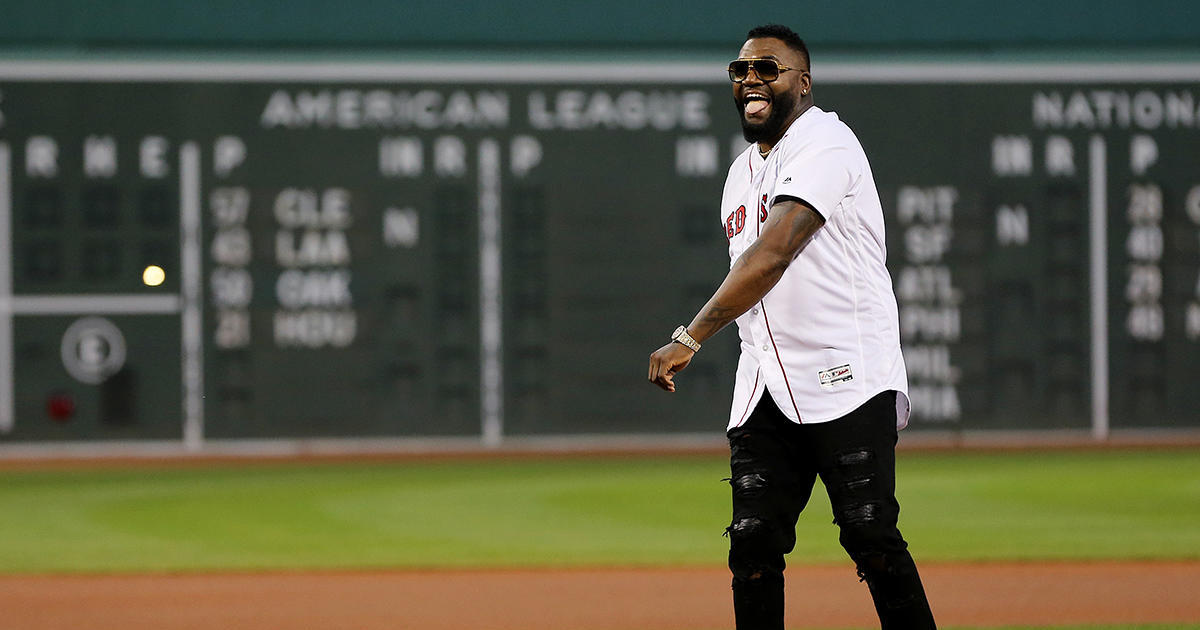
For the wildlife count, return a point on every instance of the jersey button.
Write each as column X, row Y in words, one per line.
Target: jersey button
column 765, row 348
column 754, row 311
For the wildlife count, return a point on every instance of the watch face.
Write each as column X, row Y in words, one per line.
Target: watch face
column 678, row 332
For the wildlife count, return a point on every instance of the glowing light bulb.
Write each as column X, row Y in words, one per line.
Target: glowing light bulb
column 153, row 276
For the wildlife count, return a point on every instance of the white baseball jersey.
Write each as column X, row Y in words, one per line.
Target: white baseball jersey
column 826, row 338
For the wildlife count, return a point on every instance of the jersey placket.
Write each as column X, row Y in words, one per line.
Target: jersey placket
column 763, row 348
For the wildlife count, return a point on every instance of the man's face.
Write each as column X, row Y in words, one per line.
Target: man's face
column 766, row 108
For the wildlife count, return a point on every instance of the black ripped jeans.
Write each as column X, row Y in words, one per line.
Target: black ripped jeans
column 774, row 464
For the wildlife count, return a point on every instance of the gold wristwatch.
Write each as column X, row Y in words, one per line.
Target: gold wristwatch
column 682, row 337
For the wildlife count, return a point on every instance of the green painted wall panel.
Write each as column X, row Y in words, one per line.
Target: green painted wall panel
column 844, row 26
column 342, row 265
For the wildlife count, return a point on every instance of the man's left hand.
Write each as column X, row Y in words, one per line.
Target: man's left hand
column 668, row 361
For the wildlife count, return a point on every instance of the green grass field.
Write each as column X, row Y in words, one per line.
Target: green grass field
column 579, row 511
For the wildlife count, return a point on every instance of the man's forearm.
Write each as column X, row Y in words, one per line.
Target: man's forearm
column 752, row 276
column 788, row 229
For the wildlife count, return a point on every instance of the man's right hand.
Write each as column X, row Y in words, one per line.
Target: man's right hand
column 668, row 361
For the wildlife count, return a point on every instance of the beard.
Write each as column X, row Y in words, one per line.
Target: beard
column 781, row 105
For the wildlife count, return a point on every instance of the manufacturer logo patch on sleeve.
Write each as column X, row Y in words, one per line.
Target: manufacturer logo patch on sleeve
column 833, row 376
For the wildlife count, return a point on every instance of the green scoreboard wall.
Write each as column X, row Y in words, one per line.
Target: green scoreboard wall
column 358, row 250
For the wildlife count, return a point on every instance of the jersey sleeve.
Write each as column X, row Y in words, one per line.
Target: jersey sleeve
column 819, row 176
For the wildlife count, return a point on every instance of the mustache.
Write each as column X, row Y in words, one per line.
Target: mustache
column 781, row 104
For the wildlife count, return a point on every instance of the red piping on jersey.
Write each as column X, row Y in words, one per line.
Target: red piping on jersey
column 748, row 401
column 780, row 361
column 757, row 222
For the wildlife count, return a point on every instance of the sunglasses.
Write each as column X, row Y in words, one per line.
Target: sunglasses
column 767, row 69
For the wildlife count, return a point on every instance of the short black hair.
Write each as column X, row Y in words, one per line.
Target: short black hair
column 781, row 32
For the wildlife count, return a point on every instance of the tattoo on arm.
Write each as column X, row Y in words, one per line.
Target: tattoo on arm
column 804, row 225
column 719, row 315
column 758, row 269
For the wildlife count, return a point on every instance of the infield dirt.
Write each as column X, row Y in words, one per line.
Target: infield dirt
column 981, row 595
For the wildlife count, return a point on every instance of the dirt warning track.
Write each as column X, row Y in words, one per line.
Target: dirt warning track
column 589, row 599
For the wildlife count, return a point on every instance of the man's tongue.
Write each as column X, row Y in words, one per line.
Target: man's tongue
column 755, row 106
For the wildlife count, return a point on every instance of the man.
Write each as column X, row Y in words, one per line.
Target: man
column 821, row 385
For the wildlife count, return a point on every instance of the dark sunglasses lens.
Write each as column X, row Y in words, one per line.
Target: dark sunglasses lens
column 767, row 69
column 738, row 70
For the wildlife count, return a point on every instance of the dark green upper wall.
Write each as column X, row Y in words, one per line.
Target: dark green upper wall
column 848, row 26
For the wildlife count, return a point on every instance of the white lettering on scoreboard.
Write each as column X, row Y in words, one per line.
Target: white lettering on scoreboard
column 486, row 109
column 41, row 157
column 629, row 109
column 312, row 249
column 1144, row 246
column 1059, row 157
column 1116, row 109
column 152, row 157
column 930, row 319
column 401, row 227
column 313, row 304
column 231, row 287
column 229, row 152
column 381, row 109
column 100, row 156
column 697, row 156
column 1191, row 317
column 230, row 283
